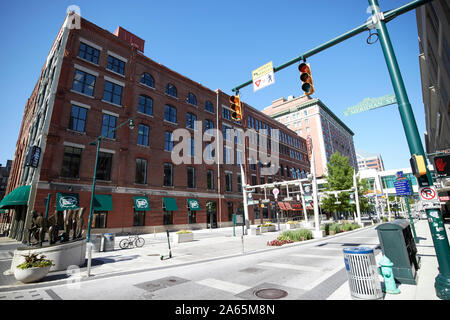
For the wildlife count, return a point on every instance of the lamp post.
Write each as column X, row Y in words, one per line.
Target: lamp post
column 97, row 142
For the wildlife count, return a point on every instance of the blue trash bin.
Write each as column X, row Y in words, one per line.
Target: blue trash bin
column 363, row 275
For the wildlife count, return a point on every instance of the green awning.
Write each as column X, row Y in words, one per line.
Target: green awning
column 17, row 197
column 170, row 204
column 193, row 204
column 141, row 203
column 103, row 202
column 66, row 201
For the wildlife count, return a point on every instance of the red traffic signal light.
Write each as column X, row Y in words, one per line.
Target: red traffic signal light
column 442, row 165
column 236, row 107
column 306, row 78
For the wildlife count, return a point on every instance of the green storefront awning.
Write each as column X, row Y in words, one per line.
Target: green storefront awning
column 17, row 197
column 141, row 203
column 170, row 204
column 103, row 202
column 193, row 204
column 66, row 201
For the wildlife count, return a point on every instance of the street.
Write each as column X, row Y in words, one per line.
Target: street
column 311, row 271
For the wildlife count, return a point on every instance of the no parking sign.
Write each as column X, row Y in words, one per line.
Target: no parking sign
column 428, row 194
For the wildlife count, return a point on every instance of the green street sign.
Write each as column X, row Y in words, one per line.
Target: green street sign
column 371, row 103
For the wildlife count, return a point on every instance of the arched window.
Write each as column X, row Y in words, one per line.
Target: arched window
column 192, row 99
column 209, row 106
column 148, row 80
column 171, row 90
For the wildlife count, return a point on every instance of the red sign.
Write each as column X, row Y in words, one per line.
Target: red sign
column 288, row 206
column 281, row 205
column 444, row 198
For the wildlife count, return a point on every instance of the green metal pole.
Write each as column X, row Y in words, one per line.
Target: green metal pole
column 440, row 240
column 88, row 235
column 413, row 228
column 47, row 205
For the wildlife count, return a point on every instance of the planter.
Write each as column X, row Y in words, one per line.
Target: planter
column 183, row 237
column 31, row 274
column 290, row 226
column 255, row 231
column 264, row 229
column 272, row 228
column 331, row 233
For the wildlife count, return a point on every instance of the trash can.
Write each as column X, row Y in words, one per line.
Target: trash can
column 397, row 243
column 109, row 241
column 363, row 275
column 97, row 242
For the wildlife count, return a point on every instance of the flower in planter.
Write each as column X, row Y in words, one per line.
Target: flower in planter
column 32, row 261
column 184, row 231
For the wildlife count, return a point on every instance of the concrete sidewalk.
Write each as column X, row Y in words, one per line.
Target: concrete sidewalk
column 212, row 244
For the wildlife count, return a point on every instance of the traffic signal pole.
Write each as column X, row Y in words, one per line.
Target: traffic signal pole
column 379, row 20
column 440, row 240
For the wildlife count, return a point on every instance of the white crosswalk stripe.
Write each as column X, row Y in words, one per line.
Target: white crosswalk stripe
column 233, row 288
column 303, row 255
column 290, row 266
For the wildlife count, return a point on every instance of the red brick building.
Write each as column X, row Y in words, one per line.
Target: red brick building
column 92, row 82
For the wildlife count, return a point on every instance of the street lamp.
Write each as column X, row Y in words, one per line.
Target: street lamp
column 97, row 142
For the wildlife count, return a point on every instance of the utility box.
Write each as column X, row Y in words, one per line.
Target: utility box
column 397, row 243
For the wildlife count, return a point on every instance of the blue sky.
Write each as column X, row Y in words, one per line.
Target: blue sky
column 218, row 44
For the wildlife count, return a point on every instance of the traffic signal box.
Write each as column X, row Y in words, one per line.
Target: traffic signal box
column 442, row 165
column 418, row 165
column 236, row 107
column 306, row 78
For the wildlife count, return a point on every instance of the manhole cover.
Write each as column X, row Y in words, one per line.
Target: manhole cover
column 271, row 293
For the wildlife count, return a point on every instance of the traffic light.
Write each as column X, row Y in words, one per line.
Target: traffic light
column 418, row 165
column 306, row 78
column 236, row 107
column 442, row 165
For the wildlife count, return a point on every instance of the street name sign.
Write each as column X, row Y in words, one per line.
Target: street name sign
column 371, row 103
column 402, row 187
column 263, row 76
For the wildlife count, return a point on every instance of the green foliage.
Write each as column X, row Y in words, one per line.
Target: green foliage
column 296, row 235
column 32, row 261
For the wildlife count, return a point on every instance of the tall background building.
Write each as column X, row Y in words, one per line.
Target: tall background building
column 369, row 161
column 4, row 175
column 310, row 117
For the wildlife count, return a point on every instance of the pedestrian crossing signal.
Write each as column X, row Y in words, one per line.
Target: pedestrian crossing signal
column 236, row 107
column 418, row 165
column 306, row 78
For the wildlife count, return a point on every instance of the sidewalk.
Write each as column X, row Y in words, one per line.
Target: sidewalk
column 424, row 290
column 213, row 244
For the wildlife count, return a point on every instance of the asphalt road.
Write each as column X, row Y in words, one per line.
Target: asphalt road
column 307, row 272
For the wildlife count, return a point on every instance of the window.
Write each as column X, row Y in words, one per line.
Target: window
column 88, row 53
column 168, row 175
column 139, row 218
column 83, row 82
column 227, row 155
column 78, row 119
column 143, row 135
column 104, row 166
column 190, row 120
column 190, row 177
column 170, row 113
column 254, row 180
column 209, row 152
column 209, row 124
column 145, row 105
column 230, row 211
column 167, row 217
column 239, row 183
column 210, row 180
column 226, row 132
column 192, row 99
column 116, row 65
column 226, row 113
column 192, row 218
column 171, row 90
column 112, row 93
column 71, row 162
column 228, row 181
column 239, row 157
column 148, row 80
column 209, row 106
column 108, row 124
column 141, row 171
column 99, row 219
column 192, row 147
column 168, row 141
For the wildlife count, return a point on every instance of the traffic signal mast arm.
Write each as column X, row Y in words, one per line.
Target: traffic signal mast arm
column 388, row 16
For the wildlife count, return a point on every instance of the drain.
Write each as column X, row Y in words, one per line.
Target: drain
column 271, row 293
